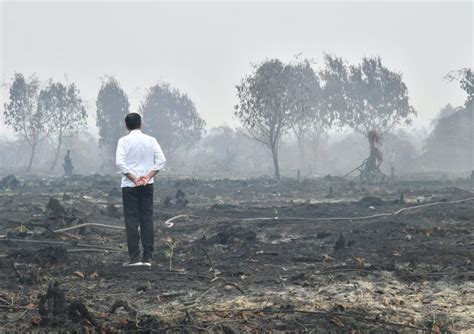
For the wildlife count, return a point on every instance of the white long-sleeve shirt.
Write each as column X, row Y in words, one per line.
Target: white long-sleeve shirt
column 138, row 153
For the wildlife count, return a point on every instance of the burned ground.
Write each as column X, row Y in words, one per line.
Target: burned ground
column 296, row 268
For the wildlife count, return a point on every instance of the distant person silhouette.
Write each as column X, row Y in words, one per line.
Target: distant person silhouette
column 68, row 167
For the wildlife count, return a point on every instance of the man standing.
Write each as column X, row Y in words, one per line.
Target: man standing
column 139, row 158
column 68, row 168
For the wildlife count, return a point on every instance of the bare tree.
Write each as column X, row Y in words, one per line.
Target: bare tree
column 264, row 105
column 67, row 113
column 23, row 114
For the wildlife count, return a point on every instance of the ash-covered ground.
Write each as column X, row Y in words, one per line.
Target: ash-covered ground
column 249, row 255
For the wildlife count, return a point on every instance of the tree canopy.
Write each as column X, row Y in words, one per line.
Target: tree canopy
column 367, row 96
column 465, row 77
column 449, row 145
column 23, row 115
column 171, row 117
column 112, row 107
column 310, row 117
column 67, row 114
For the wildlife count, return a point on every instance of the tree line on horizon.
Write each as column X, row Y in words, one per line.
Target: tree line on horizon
column 278, row 98
column 55, row 110
column 275, row 100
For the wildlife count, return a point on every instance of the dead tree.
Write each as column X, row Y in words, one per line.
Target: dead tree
column 369, row 171
column 369, row 98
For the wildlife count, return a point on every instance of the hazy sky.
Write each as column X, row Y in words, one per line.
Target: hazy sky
column 204, row 49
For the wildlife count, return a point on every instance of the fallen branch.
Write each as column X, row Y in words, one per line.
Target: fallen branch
column 61, row 230
column 51, row 242
column 169, row 223
column 334, row 218
column 61, row 243
column 92, row 250
column 98, row 247
column 357, row 218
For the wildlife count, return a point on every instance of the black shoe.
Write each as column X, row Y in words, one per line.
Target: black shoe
column 146, row 260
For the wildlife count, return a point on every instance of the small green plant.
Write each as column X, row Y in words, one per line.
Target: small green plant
column 22, row 229
column 171, row 244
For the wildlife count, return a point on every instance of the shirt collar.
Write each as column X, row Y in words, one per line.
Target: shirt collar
column 135, row 131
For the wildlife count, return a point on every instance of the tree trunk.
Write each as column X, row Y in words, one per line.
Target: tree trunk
column 315, row 151
column 315, row 160
column 32, row 155
column 58, row 149
column 367, row 174
column 275, row 162
column 371, row 163
column 301, row 153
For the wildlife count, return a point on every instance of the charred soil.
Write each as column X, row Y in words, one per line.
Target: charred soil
column 250, row 255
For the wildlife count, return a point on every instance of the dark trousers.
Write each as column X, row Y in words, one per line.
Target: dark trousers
column 138, row 211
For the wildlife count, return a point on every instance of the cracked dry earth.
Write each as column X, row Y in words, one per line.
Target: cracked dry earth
column 296, row 270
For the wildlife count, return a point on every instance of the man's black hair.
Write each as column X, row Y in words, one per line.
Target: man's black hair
column 133, row 121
